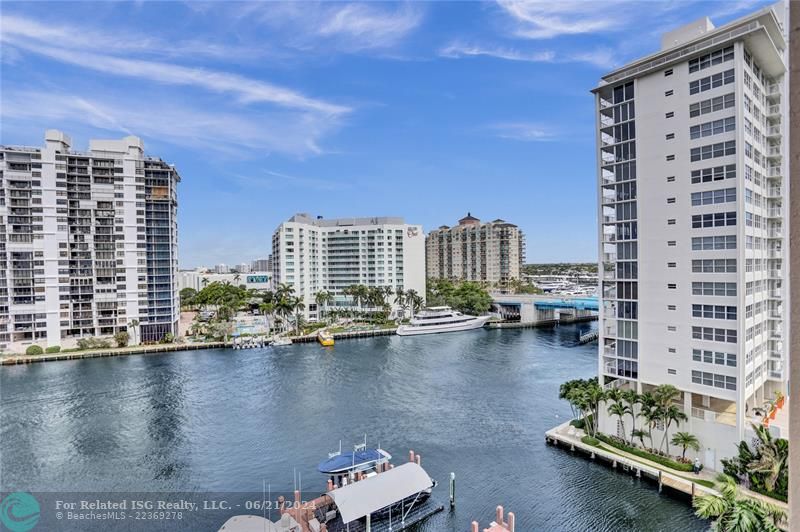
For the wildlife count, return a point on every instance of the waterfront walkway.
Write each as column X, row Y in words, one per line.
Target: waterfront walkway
column 569, row 437
column 7, row 360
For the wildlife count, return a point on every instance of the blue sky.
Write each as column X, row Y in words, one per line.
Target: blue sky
column 420, row 110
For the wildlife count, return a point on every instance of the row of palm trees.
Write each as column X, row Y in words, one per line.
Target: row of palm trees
column 370, row 299
column 281, row 305
column 656, row 408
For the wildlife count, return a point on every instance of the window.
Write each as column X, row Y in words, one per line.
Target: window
column 711, row 197
column 713, row 289
column 670, row 200
column 670, row 178
column 712, row 105
column 711, row 151
column 711, row 82
column 671, row 328
column 671, row 307
column 716, row 173
column 670, row 157
column 671, row 243
column 669, row 93
column 718, row 242
column 672, row 264
column 671, row 221
column 714, row 312
column 672, row 286
column 716, row 57
column 714, row 219
column 672, row 371
column 670, row 136
column 668, row 72
column 712, row 334
column 669, row 114
column 715, row 127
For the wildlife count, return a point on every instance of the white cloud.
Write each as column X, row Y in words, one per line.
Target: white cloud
column 524, row 131
column 238, row 134
column 330, row 26
column 275, row 180
column 247, row 90
column 601, row 57
column 457, row 50
column 544, row 19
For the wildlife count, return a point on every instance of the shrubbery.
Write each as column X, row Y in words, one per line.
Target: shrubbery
column 667, row 462
column 53, row 349
column 93, row 343
column 588, row 440
column 122, row 339
column 34, row 350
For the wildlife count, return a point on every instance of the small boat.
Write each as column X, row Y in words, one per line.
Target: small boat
column 360, row 459
column 440, row 320
column 280, row 340
column 325, row 338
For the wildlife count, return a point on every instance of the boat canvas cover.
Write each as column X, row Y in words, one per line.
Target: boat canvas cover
column 367, row 496
column 346, row 461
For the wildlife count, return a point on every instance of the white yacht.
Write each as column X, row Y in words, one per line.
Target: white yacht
column 440, row 320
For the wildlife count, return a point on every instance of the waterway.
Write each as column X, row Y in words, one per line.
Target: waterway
column 224, row 421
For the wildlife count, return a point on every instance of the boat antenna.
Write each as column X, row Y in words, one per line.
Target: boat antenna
column 294, row 477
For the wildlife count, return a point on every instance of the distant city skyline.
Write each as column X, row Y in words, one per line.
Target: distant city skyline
column 419, row 110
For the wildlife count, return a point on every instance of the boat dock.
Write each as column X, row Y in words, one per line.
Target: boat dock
column 307, row 338
column 567, row 437
column 99, row 353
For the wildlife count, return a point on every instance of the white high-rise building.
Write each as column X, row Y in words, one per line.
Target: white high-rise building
column 88, row 243
column 315, row 254
column 693, row 182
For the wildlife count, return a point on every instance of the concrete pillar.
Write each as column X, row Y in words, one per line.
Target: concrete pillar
column 474, row 527
column 511, row 521
column 411, row 456
column 687, row 407
column 499, row 515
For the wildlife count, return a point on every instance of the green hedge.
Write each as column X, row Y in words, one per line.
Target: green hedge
column 770, row 494
column 667, row 462
column 53, row 349
column 588, row 440
column 34, row 350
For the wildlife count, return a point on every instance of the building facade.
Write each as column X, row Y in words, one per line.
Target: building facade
column 88, row 243
column 315, row 254
column 692, row 225
column 261, row 265
column 491, row 252
column 199, row 278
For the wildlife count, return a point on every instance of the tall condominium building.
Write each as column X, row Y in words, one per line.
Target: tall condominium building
column 261, row 265
column 315, row 254
column 88, row 243
column 491, row 252
column 692, row 216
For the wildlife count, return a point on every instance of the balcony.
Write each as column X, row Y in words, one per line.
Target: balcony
column 775, row 171
column 774, row 111
column 772, row 90
column 774, row 152
column 774, row 294
column 774, row 131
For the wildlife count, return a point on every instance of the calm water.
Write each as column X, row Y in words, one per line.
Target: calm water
column 475, row 403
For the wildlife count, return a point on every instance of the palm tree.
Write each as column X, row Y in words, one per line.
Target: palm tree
column 322, row 298
column 284, row 307
column 633, row 399
column 204, row 281
column 651, row 415
column 671, row 414
column 734, row 513
column 297, row 306
column 414, row 300
column 236, row 277
column 771, row 461
column 134, row 325
column 639, row 433
column 620, row 410
column 284, row 290
column 686, row 440
column 267, row 309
